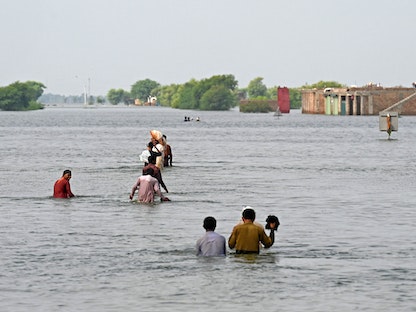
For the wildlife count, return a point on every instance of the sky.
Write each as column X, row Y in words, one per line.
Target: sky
column 97, row 45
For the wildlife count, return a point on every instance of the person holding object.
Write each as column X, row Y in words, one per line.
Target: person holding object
column 147, row 186
column 211, row 244
column 62, row 188
column 149, row 152
column 245, row 237
column 158, row 148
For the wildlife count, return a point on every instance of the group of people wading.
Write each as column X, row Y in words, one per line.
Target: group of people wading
column 157, row 155
column 247, row 236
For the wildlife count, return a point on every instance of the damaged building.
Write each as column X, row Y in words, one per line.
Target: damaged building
column 368, row 100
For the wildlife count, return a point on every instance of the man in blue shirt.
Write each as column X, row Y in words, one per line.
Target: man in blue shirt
column 211, row 244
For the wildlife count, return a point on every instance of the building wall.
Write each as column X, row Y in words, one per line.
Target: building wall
column 358, row 101
column 283, row 99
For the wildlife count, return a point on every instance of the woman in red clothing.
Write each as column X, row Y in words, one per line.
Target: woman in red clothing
column 62, row 188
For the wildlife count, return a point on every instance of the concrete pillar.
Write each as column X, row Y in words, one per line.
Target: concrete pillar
column 339, row 104
column 370, row 105
column 347, row 105
column 354, row 105
column 335, row 105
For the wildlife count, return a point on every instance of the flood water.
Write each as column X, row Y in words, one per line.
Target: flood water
column 344, row 194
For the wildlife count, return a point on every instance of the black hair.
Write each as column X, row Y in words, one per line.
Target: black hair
column 210, row 223
column 67, row 171
column 249, row 213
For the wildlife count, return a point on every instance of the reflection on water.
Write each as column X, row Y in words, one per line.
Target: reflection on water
column 342, row 191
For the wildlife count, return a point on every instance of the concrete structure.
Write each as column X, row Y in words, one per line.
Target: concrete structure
column 369, row 100
column 283, row 100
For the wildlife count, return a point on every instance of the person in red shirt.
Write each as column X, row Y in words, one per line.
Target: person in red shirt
column 62, row 188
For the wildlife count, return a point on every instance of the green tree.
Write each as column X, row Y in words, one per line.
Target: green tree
column 218, row 97
column 166, row 94
column 256, row 88
column 186, row 98
column 35, row 89
column 21, row 96
column 241, row 94
column 100, row 100
column 116, row 96
column 192, row 93
column 272, row 93
column 227, row 81
column 176, row 98
column 295, row 96
column 142, row 89
column 323, row 84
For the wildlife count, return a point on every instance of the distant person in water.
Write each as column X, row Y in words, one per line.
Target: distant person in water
column 167, row 161
column 147, row 186
column 211, row 244
column 62, row 188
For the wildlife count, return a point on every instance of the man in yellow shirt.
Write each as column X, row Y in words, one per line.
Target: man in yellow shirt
column 246, row 237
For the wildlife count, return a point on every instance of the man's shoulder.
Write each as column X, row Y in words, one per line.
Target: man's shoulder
column 146, row 177
column 214, row 235
column 153, row 179
column 254, row 225
column 217, row 234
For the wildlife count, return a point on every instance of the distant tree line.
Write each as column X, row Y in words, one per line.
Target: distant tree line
column 215, row 93
column 219, row 92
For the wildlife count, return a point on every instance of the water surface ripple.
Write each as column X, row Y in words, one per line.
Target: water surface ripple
column 343, row 192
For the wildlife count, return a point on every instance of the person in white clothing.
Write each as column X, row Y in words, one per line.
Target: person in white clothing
column 211, row 244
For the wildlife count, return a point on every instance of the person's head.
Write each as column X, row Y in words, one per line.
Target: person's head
column 152, row 159
column 149, row 171
column 210, row 223
column 150, row 145
column 67, row 174
column 249, row 214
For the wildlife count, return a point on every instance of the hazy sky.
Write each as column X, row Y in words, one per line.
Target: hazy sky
column 112, row 44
